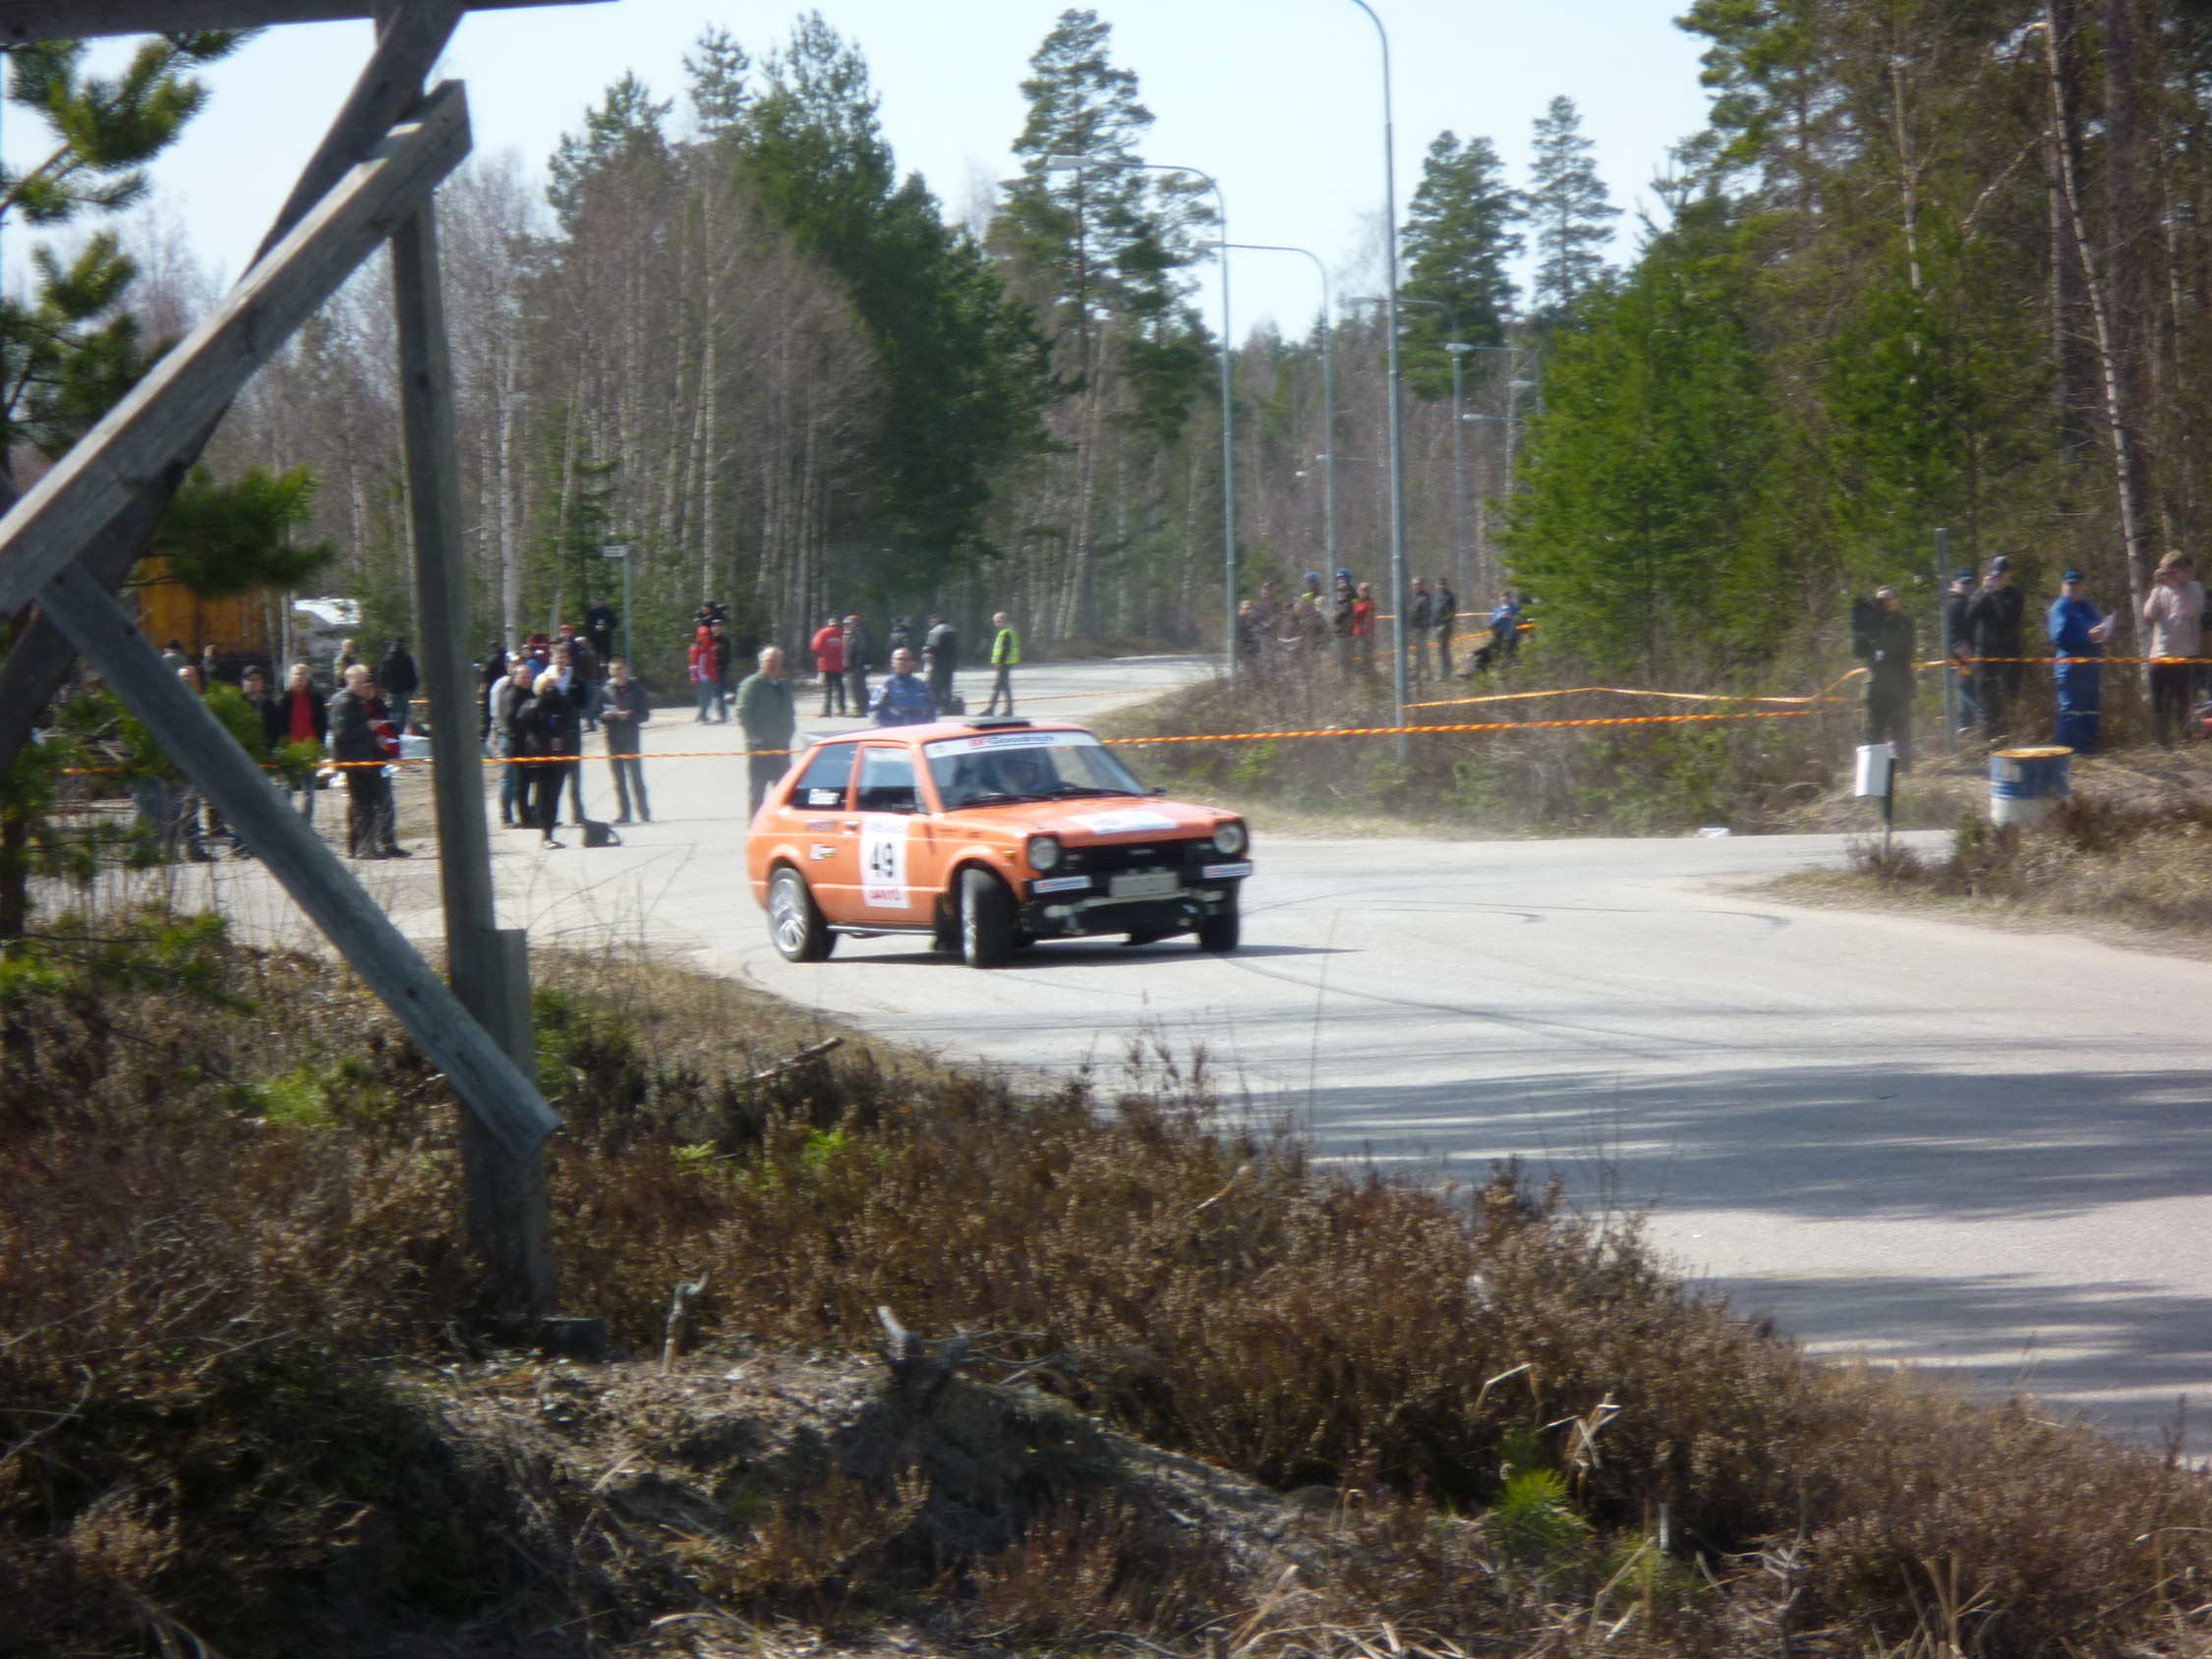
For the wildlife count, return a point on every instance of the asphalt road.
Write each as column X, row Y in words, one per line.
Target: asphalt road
column 1983, row 1150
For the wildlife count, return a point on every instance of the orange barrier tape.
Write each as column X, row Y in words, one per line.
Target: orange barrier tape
column 1488, row 725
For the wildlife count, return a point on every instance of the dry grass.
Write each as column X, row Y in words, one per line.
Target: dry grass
column 1750, row 775
column 225, row 1207
column 2139, row 868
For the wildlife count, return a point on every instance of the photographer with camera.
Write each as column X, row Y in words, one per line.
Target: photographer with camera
column 1882, row 637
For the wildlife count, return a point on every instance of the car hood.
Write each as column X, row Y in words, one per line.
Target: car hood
column 1102, row 818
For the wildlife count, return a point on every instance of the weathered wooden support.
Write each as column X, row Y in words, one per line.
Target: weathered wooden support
column 140, row 438
column 389, row 84
column 510, row 1221
column 487, row 1080
column 24, row 20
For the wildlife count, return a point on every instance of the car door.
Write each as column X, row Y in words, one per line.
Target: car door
column 822, row 826
column 886, row 799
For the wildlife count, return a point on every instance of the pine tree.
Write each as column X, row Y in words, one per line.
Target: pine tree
column 625, row 131
column 1569, row 207
column 718, row 82
column 1459, row 235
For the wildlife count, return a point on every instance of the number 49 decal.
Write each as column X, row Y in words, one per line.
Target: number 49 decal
column 883, row 861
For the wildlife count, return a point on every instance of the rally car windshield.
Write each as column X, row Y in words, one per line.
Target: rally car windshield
column 973, row 772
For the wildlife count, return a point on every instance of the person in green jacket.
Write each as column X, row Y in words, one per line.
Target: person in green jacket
column 763, row 712
column 1006, row 657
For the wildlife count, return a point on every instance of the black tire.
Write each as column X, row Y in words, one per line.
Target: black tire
column 945, row 927
column 794, row 920
column 1220, row 932
column 987, row 920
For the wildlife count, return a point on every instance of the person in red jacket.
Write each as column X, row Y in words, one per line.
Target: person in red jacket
column 706, row 675
column 829, row 662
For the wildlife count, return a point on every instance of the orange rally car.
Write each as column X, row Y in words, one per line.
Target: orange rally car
column 986, row 836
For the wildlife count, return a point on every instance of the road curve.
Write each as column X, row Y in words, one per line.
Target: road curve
column 1979, row 1149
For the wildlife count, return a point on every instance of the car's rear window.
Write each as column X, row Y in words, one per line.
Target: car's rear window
column 823, row 782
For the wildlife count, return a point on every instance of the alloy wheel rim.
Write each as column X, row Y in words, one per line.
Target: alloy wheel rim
column 789, row 913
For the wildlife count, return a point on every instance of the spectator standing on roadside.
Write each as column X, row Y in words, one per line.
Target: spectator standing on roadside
column 1992, row 621
column 765, row 711
column 1250, row 648
column 489, row 672
column 857, row 655
column 363, row 740
column 1364, row 611
column 173, row 657
column 1006, row 657
column 901, row 699
column 345, row 658
column 1266, row 619
column 706, row 675
column 724, row 651
column 1421, row 613
column 294, row 717
column 546, row 732
column 1958, row 598
column 600, row 623
column 576, row 695
column 1505, row 624
column 1883, row 643
column 397, row 681
column 901, row 636
column 2175, row 611
column 210, row 669
column 941, row 650
column 507, row 698
column 1341, row 602
column 585, row 661
column 1443, row 618
column 2080, row 633
column 625, row 709
column 828, row 661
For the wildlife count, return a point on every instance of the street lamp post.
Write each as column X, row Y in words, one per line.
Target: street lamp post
column 1328, row 387
column 622, row 550
column 1397, row 392
column 1075, row 164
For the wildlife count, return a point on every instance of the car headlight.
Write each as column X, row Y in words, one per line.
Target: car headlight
column 1230, row 840
column 1044, row 852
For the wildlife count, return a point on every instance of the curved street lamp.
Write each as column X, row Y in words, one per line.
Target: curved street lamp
column 1329, row 383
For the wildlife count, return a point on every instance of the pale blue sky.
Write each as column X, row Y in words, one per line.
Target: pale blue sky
column 1280, row 100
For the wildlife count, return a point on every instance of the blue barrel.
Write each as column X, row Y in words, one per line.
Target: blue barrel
column 2027, row 785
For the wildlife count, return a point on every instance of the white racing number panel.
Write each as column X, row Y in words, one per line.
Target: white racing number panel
column 883, row 861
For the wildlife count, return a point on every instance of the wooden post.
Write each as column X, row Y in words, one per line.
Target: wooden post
column 487, row 1080
column 23, row 21
column 509, row 1223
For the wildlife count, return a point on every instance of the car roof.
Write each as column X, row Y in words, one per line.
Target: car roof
column 938, row 729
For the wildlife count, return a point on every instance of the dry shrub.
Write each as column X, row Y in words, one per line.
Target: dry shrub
column 219, row 1215
column 2092, row 857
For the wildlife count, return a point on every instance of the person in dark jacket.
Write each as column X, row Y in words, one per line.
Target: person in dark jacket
column 765, row 711
column 361, row 741
column 1993, row 623
column 858, row 649
column 576, row 693
column 1883, row 640
column 1419, row 616
column 489, row 672
column 294, row 715
column 624, row 708
column 600, row 622
column 901, row 699
column 902, row 635
column 941, row 651
column 2079, row 633
column 546, row 726
column 398, row 681
column 1443, row 618
column 508, row 696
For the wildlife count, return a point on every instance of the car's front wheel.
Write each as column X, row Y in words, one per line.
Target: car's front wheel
column 1220, row 932
column 986, row 919
column 794, row 920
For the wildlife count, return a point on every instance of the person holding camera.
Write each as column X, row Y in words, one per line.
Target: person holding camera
column 1993, row 624
column 1883, row 639
column 2175, row 611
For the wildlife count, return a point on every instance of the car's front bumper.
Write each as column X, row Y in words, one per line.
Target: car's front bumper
column 1059, row 908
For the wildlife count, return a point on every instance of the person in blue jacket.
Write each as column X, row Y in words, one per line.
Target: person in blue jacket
column 903, row 698
column 2077, row 632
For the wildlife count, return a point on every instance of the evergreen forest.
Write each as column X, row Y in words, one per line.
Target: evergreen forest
column 1932, row 266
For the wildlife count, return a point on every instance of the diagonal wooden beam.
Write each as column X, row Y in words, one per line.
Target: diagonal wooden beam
column 389, row 84
column 96, row 483
column 23, row 21
column 487, row 1080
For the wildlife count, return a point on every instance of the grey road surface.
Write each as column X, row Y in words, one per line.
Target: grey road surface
column 1983, row 1150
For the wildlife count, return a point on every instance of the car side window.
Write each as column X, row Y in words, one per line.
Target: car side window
column 822, row 785
column 886, row 781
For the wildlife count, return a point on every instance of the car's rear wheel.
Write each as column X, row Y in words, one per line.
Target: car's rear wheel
column 794, row 920
column 1220, row 932
column 986, row 919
